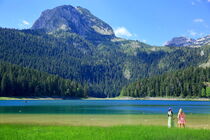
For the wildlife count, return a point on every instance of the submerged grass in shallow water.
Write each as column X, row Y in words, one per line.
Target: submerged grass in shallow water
column 39, row 132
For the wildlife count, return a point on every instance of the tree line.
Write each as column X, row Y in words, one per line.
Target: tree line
column 24, row 82
column 190, row 82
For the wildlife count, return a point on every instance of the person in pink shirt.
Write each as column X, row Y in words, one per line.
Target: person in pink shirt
column 181, row 118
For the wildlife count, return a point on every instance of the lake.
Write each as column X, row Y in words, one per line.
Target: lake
column 109, row 107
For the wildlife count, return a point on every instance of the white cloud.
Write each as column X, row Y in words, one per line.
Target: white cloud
column 24, row 22
column 165, row 43
column 198, row 20
column 195, row 2
column 192, row 32
column 122, row 32
column 202, row 21
column 195, row 34
column 144, row 40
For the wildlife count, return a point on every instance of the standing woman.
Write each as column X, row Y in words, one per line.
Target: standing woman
column 181, row 118
column 170, row 118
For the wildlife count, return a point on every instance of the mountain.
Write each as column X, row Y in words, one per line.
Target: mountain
column 189, row 42
column 202, row 41
column 180, row 42
column 105, row 67
column 76, row 20
column 101, row 61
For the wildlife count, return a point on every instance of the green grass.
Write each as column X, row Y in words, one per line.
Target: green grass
column 39, row 132
column 114, row 98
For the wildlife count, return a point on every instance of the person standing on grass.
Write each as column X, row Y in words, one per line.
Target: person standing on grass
column 170, row 118
column 181, row 118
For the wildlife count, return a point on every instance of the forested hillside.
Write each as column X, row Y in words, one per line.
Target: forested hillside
column 190, row 82
column 23, row 82
column 105, row 67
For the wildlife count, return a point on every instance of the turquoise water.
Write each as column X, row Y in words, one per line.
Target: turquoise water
column 101, row 107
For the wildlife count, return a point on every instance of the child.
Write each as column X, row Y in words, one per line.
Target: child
column 181, row 118
column 170, row 118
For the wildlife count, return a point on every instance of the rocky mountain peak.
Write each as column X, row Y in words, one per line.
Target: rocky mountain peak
column 74, row 19
column 183, row 42
column 180, row 42
column 202, row 41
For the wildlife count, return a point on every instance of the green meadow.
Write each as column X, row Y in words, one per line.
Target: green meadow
column 193, row 121
column 53, row 132
column 100, row 127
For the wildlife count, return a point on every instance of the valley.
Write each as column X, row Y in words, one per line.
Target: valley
column 104, row 63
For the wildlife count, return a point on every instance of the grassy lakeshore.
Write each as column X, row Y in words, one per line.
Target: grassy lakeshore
column 27, row 98
column 51, row 132
column 100, row 127
column 151, row 98
column 193, row 121
column 115, row 98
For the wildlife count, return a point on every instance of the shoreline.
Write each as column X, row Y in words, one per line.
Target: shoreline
column 115, row 98
column 152, row 98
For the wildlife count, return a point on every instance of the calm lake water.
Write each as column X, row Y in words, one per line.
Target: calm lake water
column 101, row 107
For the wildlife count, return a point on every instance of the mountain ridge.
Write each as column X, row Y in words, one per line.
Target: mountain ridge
column 188, row 42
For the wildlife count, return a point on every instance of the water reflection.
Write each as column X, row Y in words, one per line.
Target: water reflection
column 102, row 107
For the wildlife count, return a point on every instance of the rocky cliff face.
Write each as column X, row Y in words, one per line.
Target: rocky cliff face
column 183, row 42
column 180, row 42
column 202, row 41
column 74, row 19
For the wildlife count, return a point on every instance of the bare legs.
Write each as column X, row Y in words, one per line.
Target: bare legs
column 180, row 125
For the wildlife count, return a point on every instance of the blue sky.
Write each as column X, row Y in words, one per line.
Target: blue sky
column 150, row 21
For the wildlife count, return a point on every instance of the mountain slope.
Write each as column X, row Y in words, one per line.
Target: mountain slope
column 106, row 68
column 69, row 56
column 190, row 82
column 24, row 82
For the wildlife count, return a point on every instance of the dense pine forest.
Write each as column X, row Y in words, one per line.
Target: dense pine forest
column 23, row 82
column 190, row 82
column 105, row 67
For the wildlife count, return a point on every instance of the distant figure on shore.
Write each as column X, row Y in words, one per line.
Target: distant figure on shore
column 181, row 118
column 170, row 118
